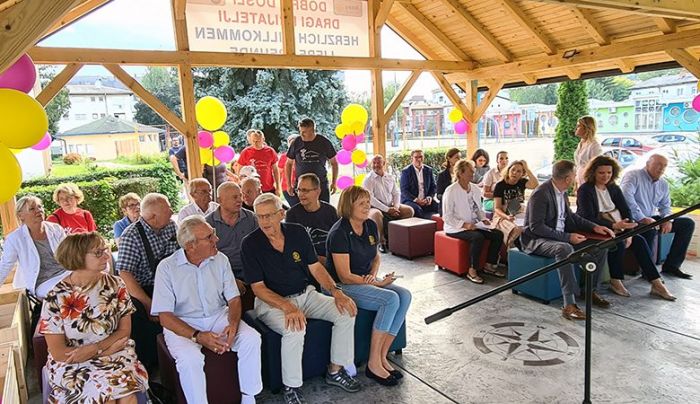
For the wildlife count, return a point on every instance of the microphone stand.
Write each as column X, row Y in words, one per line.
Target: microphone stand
column 583, row 257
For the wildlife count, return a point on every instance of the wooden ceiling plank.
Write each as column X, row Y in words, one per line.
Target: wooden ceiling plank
column 58, row 82
column 400, row 95
column 683, row 9
column 588, row 22
column 666, row 25
column 530, row 26
column 686, row 59
column 625, row 65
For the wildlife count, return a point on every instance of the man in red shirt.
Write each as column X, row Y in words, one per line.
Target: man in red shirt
column 264, row 159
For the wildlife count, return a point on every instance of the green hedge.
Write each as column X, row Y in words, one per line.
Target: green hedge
column 433, row 157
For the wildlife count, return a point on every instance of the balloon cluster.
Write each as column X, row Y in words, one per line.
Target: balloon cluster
column 461, row 126
column 213, row 143
column 23, row 122
column 350, row 131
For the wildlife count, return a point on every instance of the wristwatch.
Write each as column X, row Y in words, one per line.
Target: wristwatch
column 338, row 287
column 194, row 336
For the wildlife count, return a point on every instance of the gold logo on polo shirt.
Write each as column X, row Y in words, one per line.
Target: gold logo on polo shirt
column 372, row 241
column 296, row 256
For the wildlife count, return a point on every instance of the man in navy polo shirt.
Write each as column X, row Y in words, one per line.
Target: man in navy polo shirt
column 278, row 261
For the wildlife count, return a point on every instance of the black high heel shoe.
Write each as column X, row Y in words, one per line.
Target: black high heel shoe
column 384, row 381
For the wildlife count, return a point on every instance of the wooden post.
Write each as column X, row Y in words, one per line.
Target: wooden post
column 194, row 164
column 377, row 98
column 470, row 100
column 7, row 217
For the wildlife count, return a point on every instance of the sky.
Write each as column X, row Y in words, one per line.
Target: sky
column 147, row 25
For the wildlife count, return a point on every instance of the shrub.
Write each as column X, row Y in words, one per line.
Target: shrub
column 571, row 105
column 433, row 157
column 140, row 186
column 72, row 158
column 143, row 159
column 686, row 190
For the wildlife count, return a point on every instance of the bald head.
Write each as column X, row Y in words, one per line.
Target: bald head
column 378, row 164
column 656, row 165
column 230, row 198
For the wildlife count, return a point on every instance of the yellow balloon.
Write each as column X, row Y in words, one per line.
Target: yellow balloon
column 220, row 138
column 341, row 130
column 360, row 179
column 210, row 112
column 23, row 121
column 16, row 151
column 206, row 156
column 358, row 156
column 354, row 112
column 455, row 116
column 11, row 174
column 357, row 127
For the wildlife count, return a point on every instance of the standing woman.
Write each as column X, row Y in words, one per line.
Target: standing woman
column 352, row 244
column 69, row 216
column 86, row 319
column 444, row 179
column 464, row 219
column 508, row 199
column 588, row 147
column 481, row 162
column 491, row 179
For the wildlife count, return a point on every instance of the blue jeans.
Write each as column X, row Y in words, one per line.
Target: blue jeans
column 390, row 302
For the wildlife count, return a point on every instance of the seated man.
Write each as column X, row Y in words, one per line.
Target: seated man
column 251, row 189
column 648, row 198
column 232, row 224
column 141, row 247
column 553, row 230
column 278, row 260
column 314, row 214
column 200, row 191
column 418, row 186
column 197, row 300
column 384, row 199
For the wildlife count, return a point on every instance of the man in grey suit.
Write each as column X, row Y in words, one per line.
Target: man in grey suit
column 552, row 230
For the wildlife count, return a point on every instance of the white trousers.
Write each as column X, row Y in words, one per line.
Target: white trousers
column 189, row 358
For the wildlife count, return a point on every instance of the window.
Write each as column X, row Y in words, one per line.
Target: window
column 101, row 99
column 90, row 149
column 679, row 91
column 612, row 141
column 92, row 99
column 94, row 116
column 102, row 115
column 647, row 115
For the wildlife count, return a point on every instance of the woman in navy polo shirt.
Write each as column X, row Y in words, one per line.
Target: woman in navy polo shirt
column 352, row 244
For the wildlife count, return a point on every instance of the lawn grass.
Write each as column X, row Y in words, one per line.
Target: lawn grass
column 59, row 169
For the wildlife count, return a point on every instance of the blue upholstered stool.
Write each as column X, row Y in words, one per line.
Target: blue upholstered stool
column 664, row 247
column 363, row 336
column 545, row 287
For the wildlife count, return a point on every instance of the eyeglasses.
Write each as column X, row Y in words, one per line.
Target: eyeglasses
column 210, row 237
column 267, row 216
column 305, row 190
column 66, row 199
column 133, row 205
column 202, row 192
column 99, row 253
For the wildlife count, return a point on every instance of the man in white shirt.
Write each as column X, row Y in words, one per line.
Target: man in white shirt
column 200, row 191
column 198, row 303
column 384, row 199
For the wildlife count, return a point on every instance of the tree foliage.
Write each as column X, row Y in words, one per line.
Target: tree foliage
column 390, row 90
column 540, row 94
column 163, row 83
column 59, row 105
column 609, row 88
column 572, row 104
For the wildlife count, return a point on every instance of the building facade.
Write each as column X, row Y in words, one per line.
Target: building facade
column 91, row 102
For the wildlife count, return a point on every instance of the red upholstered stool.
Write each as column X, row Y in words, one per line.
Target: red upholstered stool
column 412, row 237
column 221, row 372
column 41, row 354
column 453, row 254
column 439, row 223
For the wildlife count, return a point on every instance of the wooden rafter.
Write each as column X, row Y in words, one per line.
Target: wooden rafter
column 186, row 80
column 588, row 22
column 400, row 95
column 412, row 39
column 440, row 37
column 573, row 73
column 687, row 60
column 477, row 28
column 18, row 34
column 452, row 95
column 666, row 25
column 288, row 41
column 625, row 65
column 182, row 41
column 529, row 25
column 146, row 96
column 683, row 9
column 529, row 79
column 87, row 7
column 58, row 82
column 383, row 13
column 487, row 99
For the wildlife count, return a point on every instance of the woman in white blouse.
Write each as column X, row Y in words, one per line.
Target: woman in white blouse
column 464, row 219
column 588, row 147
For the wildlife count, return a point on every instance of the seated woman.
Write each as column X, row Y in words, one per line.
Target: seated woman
column 464, row 219
column 481, row 165
column 600, row 200
column 86, row 320
column 444, row 179
column 130, row 204
column 508, row 199
column 75, row 220
column 352, row 245
column 31, row 247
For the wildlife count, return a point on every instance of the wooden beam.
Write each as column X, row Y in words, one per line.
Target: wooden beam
column 76, row 13
column 529, row 25
column 182, row 41
column 686, row 59
column 588, row 22
column 146, row 96
column 666, row 25
column 377, row 90
column 573, row 73
column 625, row 65
column 383, row 13
column 486, row 100
column 683, row 9
column 412, row 39
column 529, row 79
column 46, row 55
column 452, row 95
column 617, row 50
column 5, row 4
column 180, row 9
column 434, row 31
column 189, row 132
column 400, row 95
column 471, row 101
column 288, row 38
column 24, row 23
column 58, row 82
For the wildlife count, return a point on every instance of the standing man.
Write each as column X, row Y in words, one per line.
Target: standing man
column 200, row 192
column 384, row 197
column 263, row 158
column 196, row 298
column 308, row 154
column 314, row 214
column 649, row 199
column 179, row 164
column 418, row 186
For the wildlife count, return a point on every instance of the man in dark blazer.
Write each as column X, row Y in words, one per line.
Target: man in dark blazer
column 418, row 186
column 553, row 230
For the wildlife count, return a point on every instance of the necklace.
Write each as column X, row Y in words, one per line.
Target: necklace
column 76, row 285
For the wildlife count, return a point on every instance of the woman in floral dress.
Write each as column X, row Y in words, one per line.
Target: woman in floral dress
column 86, row 319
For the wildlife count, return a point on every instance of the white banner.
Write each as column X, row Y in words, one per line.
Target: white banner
column 321, row 27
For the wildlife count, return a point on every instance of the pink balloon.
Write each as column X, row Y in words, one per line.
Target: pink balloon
column 345, row 181
column 696, row 103
column 362, row 165
column 44, row 143
column 349, row 142
column 205, row 139
column 461, row 127
column 20, row 76
column 224, row 153
column 344, row 156
column 360, row 138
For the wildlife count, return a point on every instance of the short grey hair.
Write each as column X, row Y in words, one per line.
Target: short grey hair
column 268, row 198
column 185, row 230
column 224, row 187
column 251, row 179
column 562, row 169
column 150, row 200
column 198, row 182
column 656, row 156
column 23, row 202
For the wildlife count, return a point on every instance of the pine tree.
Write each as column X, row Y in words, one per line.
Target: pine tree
column 572, row 104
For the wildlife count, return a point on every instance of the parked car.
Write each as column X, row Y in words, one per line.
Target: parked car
column 544, row 173
column 673, row 137
column 624, row 157
column 628, row 142
column 673, row 152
